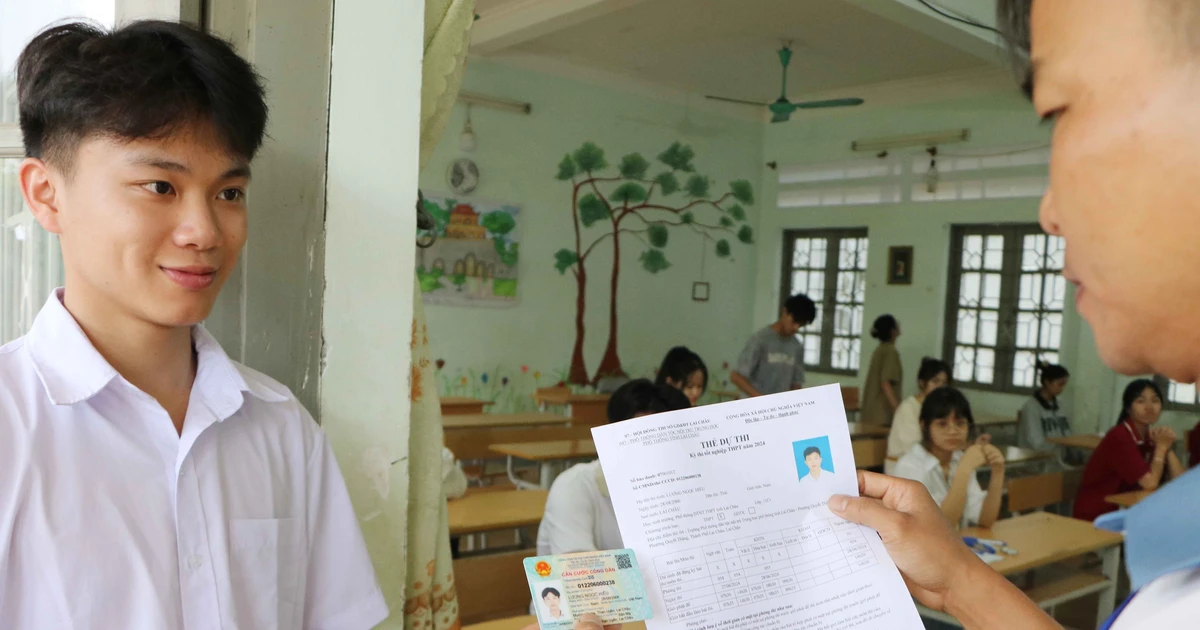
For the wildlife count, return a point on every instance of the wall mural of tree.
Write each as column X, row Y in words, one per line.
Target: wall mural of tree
column 647, row 208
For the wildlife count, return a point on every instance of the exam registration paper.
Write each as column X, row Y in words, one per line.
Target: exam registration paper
column 725, row 507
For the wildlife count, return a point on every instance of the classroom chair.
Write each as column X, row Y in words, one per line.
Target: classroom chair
column 850, row 401
column 869, row 453
column 1035, row 492
column 492, row 586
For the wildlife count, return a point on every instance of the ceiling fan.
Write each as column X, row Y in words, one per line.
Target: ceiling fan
column 782, row 108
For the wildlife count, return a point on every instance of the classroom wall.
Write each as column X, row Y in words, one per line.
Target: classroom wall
column 996, row 120
column 504, row 353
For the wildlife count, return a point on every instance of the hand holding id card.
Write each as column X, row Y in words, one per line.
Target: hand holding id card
column 607, row 584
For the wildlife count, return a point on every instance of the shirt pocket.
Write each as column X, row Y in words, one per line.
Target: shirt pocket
column 266, row 571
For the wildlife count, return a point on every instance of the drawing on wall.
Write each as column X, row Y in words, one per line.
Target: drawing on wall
column 633, row 204
column 900, row 265
column 474, row 260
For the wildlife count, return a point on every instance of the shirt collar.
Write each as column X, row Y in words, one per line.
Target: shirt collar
column 1160, row 535
column 1052, row 405
column 72, row 370
column 930, row 462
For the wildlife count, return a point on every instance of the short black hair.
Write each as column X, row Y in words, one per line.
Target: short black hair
column 942, row 402
column 810, row 450
column 550, row 591
column 1133, row 391
column 147, row 79
column 884, row 326
column 643, row 397
column 930, row 368
column 1051, row 372
column 801, row 308
column 679, row 364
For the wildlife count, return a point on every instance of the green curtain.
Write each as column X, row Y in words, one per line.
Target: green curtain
column 430, row 600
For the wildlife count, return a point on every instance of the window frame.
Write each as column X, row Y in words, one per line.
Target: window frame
column 1008, row 310
column 827, row 304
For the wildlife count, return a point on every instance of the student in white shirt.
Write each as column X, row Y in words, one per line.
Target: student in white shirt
column 906, row 424
column 147, row 481
column 817, row 478
column 945, row 464
column 579, row 512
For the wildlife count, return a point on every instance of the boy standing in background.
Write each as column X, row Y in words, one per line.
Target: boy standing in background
column 772, row 361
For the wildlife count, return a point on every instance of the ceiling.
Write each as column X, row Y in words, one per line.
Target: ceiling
column 728, row 47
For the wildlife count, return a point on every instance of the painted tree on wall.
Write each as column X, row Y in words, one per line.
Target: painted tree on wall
column 647, row 208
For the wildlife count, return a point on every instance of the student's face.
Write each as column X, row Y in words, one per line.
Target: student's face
column 813, row 461
column 1147, row 408
column 1055, row 387
column 149, row 228
column 790, row 325
column 936, row 382
column 949, row 433
column 1125, row 151
column 693, row 388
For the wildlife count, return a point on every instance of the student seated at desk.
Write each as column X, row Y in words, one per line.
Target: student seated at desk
column 579, row 512
column 1194, row 447
column 906, row 424
column 684, row 370
column 946, row 465
column 1040, row 417
column 1134, row 455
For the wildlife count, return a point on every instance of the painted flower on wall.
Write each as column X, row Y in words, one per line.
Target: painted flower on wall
column 524, row 369
column 484, row 378
column 441, row 363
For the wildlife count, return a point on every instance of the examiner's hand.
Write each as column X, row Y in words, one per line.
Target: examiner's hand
column 930, row 555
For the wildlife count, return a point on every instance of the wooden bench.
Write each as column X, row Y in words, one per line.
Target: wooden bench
column 492, row 587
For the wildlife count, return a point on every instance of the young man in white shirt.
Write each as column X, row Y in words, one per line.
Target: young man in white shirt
column 817, row 477
column 147, row 481
column 1120, row 80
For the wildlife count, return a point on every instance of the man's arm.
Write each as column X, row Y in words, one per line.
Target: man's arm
column 743, row 384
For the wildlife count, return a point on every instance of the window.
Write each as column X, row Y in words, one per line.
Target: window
column 30, row 262
column 1180, row 396
column 830, row 267
column 1004, row 304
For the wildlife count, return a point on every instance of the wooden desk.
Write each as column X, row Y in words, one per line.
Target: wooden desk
column 547, row 454
column 723, row 395
column 490, row 511
column 1042, row 539
column 1086, row 441
column 1127, row 499
column 462, row 405
column 584, row 409
column 1015, row 455
column 858, row 430
column 994, row 419
column 520, row 623
column 504, row 420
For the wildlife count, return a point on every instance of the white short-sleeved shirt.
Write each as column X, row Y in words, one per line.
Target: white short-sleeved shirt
column 1170, row 601
column 579, row 514
column 110, row 519
column 905, row 431
column 826, row 485
column 920, row 465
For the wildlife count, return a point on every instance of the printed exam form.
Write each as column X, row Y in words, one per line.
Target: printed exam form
column 725, row 506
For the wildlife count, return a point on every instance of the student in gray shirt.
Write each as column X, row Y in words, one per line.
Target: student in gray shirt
column 773, row 359
column 1040, row 416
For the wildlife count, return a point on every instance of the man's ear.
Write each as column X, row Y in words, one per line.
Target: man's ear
column 40, row 192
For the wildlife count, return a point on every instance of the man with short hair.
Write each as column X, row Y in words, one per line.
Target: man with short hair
column 147, row 481
column 772, row 361
column 1120, row 81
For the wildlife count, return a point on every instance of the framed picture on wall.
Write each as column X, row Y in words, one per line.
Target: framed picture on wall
column 900, row 265
column 700, row 291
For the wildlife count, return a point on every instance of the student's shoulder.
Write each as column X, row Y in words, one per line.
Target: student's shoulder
column 268, row 400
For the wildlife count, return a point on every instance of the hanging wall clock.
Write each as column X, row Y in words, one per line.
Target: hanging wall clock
column 462, row 176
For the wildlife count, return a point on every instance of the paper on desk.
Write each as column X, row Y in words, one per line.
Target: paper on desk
column 730, row 525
